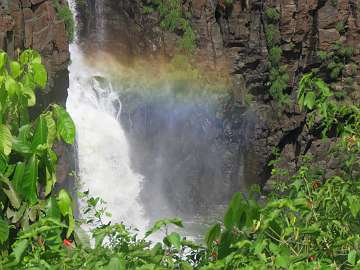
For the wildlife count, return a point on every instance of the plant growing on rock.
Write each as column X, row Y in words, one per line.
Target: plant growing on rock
column 279, row 78
column 173, row 19
column 65, row 14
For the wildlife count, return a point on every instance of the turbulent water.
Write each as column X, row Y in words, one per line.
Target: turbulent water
column 102, row 148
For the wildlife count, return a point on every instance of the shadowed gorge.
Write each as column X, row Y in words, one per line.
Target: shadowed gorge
column 184, row 159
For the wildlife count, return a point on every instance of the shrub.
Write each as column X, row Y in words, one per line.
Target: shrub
column 65, row 14
column 272, row 15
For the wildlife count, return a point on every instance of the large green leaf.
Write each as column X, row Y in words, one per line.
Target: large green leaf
column 65, row 125
column 40, row 75
column 173, row 240
column 212, row 235
column 354, row 205
column 64, row 202
column 4, row 230
column 15, row 69
column 11, row 193
column 21, row 146
column 17, row 254
column 5, row 140
column 29, row 185
column 11, row 86
column 52, row 209
column 51, row 128
column 162, row 223
column 310, row 100
column 234, row 212
column 19, row 177
column 30, row 95
column 65, row 206
column 3, row 58
column 41, row 133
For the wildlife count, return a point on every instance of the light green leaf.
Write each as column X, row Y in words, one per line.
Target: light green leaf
column 65, row 125
column 21, row 146
column 3, row 58
column 352, row 257
column 174, row 240
column 29, row 93
column 40, row 75
column 15, row 69
column 20, row 248
column 354, row 205
column 5, row 140
column 185, row 266
column 162, row 223
column 64, row 202
column 310, row 100
column 11, row 86
column 71, row 227
column 51, row 127
column 4, row 230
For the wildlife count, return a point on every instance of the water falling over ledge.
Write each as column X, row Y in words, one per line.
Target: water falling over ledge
column 102, row 148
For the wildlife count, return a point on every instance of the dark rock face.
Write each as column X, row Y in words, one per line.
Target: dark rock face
column 233, row 38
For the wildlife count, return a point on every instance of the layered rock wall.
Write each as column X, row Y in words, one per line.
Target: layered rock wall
column 233, row 38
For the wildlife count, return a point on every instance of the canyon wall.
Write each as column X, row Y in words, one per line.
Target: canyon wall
column 232, row 37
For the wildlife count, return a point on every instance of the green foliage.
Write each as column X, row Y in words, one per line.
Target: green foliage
column 272, row 14
column 334, row 62
column 340, row 27
column 279, row 77
column 174, row 19
column 275, row 55
column 65, row 14
column 272, row 35
column 27, row 161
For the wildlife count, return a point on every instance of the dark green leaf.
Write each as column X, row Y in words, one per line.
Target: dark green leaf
column 29, row 186
column 41, row 133
column 212, row 234
column 4, row 230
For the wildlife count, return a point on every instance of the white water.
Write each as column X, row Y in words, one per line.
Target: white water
column 102, row 149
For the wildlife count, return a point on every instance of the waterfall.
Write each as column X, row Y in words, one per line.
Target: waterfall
column 102, row 148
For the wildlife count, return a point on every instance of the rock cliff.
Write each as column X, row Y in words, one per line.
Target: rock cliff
column 233, row 37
